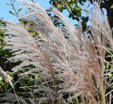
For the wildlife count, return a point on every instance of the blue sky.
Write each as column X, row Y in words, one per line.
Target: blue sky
column 4, row 10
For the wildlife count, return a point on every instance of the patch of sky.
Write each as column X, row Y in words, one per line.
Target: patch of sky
column 51, row 35
column 4, row 10
column 66, row 14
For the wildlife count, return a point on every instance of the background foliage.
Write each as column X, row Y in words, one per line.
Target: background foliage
column 75, row 9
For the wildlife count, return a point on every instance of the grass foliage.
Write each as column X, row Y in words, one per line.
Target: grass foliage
column 59, row 70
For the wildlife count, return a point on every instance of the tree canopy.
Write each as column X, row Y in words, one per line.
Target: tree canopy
column 74, row 8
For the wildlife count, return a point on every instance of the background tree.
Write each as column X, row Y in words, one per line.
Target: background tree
column 74, row 8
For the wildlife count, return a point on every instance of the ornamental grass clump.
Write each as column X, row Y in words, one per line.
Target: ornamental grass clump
column 71, row 70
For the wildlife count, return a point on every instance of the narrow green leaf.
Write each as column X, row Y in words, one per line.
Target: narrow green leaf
column 19, row 10
column 12, row 13
column 8, row 4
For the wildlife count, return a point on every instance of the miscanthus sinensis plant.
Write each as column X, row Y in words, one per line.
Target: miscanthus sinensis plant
column 71, row 70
